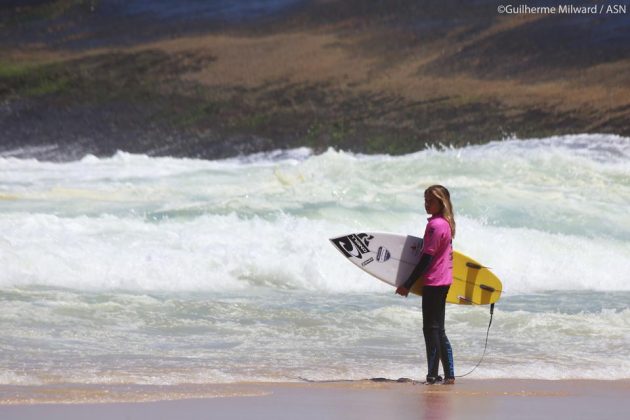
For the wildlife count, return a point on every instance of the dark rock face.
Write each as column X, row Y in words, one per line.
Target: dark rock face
column 79, row 77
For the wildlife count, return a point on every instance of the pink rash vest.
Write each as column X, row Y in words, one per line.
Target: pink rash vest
column 438, row 243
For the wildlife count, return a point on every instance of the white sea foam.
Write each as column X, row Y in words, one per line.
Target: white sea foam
column 546, row 214
column 226, row 252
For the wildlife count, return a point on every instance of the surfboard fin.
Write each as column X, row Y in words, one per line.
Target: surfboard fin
column 487, row 288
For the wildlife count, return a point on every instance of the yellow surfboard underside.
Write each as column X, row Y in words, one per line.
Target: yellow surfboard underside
column 473, row 284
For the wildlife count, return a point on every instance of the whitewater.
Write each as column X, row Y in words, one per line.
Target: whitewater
column 164, row 271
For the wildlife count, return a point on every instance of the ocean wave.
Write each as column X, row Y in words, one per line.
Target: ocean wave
column 229, row 252
column 544, row 214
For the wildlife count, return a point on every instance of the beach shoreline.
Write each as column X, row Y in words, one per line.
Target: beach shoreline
column 469, row 398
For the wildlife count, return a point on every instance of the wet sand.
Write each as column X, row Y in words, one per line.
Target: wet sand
column 470, row 399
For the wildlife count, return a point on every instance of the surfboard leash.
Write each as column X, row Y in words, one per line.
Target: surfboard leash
column 484, row 347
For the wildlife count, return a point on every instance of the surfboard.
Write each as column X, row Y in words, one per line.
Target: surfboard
column 391, row 258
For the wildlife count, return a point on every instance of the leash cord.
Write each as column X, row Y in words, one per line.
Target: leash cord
column 484, row 347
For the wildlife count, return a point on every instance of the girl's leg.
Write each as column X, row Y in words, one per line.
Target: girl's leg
column 446, row 351
column 431, row 329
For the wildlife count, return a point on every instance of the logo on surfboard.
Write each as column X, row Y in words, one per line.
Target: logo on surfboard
column 382, row 254
column 353, row 245
column 366, row 262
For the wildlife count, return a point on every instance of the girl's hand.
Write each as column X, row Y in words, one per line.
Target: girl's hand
column 402, row 291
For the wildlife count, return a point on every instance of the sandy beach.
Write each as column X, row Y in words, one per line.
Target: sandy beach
column 470, row 399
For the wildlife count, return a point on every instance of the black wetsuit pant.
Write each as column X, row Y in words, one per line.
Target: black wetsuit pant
column 438, row 346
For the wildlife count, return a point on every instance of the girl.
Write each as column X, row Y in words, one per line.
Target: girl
column 436, row 269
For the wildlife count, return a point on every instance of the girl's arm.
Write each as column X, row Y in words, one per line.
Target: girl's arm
column 419, row 270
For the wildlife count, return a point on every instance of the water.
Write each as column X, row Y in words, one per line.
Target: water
column 147, row 271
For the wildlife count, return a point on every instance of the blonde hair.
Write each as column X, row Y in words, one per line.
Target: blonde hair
column 442, row 194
